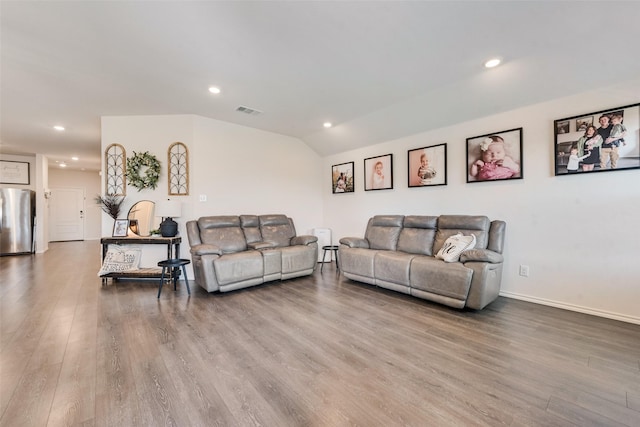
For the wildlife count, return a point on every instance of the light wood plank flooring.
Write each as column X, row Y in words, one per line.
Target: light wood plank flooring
column 316, row 351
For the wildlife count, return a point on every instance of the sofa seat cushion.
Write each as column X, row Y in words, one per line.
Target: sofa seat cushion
column 298, row 258
column 357, row 261
column 432, row 275
column 392, row 267
column 239, row 266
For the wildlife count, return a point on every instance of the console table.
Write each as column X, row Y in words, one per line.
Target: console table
column 173, row 251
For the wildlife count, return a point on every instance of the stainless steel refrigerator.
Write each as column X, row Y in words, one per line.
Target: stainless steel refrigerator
column 17, row 222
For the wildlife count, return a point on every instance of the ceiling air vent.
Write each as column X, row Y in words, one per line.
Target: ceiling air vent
column 247, row 110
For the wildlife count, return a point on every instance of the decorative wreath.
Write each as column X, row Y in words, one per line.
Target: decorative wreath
column 151, row 175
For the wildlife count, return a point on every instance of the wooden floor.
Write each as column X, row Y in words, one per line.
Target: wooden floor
column 318, row 351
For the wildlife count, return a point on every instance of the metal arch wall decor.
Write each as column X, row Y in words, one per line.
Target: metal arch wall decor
column 115, row 157
column 178, row 159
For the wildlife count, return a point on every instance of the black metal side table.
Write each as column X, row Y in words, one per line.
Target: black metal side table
column 171, row 265
column 324, row 254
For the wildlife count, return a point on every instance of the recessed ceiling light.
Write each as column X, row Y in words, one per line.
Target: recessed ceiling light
column 59, row 128
column 327, row 124
column 75, row 158
column 63, row 165
column 214, row 89
column 492, row 63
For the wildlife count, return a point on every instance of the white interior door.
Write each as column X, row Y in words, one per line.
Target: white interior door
column 66, row 214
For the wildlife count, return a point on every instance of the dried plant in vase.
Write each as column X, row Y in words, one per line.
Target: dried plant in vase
column 110, row 204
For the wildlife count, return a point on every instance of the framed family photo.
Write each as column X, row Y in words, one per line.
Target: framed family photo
column 342, row 178
column 378, row 172
column 495, row 156
column 602, row 141
column 427, row 166
column 120, row 228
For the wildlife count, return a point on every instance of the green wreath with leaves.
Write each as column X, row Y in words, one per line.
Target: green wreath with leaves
column 151, row 175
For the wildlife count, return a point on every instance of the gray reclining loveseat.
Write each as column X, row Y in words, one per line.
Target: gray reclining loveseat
column 398, row 253
column 234, row 252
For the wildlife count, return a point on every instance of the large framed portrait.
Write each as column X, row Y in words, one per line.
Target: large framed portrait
column 427, row 166
column 342, row 178
column 378, row 172
column 602, row 141
column 496, row 156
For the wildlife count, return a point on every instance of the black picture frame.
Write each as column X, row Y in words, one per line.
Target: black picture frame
column 579, row 152
column 509, row 167
column 14, row 172
column 378, row 173
column 433, row 173
column 120, row 228
column 342, row 178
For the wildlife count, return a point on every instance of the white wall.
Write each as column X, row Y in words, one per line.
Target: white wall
column 89, row 181
column 578, row 234
column 240, row 170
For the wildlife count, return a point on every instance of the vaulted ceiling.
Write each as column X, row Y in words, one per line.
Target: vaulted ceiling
column 377, row 70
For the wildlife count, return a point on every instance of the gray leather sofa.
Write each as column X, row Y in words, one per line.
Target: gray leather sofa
column 234, row 252
column 398, row 253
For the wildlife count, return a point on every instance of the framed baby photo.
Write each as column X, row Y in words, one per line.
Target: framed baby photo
column 495, row 156
column 427, row 166
column 120, row 228
column 378, row 173
column 602, row 141
column 342, row 178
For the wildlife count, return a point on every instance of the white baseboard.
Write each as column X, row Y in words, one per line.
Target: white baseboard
column 571, row 307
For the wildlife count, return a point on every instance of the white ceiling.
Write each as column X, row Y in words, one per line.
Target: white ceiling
column 377, row 70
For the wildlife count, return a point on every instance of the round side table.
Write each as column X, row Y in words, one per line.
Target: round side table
column 324, row 254
column 170, row 265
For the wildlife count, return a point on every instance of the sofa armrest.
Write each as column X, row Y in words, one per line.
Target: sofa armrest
column 481, row 255
column 303, row 240
column 204, row 249
column 355, row 242
column 262, row 245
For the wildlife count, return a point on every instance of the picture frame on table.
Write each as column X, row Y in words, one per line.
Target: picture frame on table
column 427, row 166
column 120, row 228
column 342, row 178
column 495, row 156
column 608, row 143
column 378, row 173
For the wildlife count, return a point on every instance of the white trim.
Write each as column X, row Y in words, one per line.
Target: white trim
column 571, row 307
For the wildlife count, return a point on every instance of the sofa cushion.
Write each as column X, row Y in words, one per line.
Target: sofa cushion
column 435, row 276
column 383, row 232
column 277, row 228
column 418, row 234
column 449, row 225
column 298, row 258
column 357, row 261
column 251, row 226
column 392, row 267
column 224, row 232
column 237, row 267
column 454, row 246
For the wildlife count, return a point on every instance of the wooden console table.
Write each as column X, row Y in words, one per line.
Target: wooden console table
column 173, row 251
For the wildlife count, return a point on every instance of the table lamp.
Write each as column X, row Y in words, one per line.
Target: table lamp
column 168, row 210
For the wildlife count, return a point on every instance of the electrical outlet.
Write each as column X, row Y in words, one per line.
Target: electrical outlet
column 524, row 270
column 203, row 197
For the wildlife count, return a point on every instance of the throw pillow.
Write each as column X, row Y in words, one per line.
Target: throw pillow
column 454, row 246
column 120, row 258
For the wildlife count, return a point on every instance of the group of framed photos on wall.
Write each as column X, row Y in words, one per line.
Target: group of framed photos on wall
column 601, row 141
